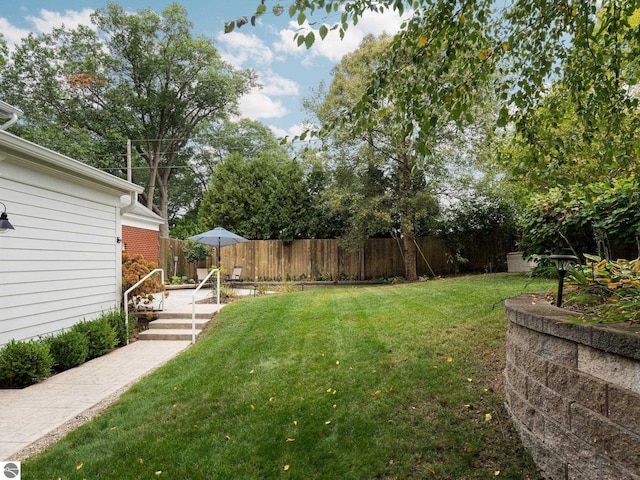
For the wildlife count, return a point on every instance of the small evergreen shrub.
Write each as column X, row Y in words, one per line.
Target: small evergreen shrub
column 100, row 334
column 23, row 363
column 69, row 349
column 117, row 320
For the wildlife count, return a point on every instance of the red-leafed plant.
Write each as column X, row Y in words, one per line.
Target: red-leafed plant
column 133, row 270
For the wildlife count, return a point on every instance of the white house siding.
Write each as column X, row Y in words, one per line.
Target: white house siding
column 62, row 263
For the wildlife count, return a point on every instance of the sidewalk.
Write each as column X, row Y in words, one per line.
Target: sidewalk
column 32, row 418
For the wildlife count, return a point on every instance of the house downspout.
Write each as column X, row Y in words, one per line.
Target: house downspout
column 12, row 120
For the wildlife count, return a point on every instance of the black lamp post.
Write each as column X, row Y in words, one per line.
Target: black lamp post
column 562, row 264
column 4, row 220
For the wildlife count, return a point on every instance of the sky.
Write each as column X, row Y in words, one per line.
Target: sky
column 287, row 73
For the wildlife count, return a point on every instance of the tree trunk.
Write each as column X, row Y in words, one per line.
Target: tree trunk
column 409, row 249
column 163, row 206
column 407, row 214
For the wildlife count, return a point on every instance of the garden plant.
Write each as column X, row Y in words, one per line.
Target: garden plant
column 605, row 290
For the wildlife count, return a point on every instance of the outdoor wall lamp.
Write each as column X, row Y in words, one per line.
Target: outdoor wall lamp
column 4, row 220
column 562, row 264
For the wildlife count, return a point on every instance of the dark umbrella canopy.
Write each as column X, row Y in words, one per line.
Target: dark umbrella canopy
column 218, row 237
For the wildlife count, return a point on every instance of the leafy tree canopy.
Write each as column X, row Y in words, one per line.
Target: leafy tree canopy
column 140, row 76
column 591, row 47
column 261, row 198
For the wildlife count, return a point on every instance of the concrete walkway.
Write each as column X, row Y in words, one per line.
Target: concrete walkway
column 33, row 417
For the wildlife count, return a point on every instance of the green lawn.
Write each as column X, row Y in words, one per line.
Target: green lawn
column 399, row 381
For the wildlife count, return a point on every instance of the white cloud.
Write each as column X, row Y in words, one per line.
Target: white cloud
column 332, row 47
column 292, row 131
column 239, row 49
column 44, row 23
column 256, row 105
column 48, row 20
column 277, row 85
column 12, row 35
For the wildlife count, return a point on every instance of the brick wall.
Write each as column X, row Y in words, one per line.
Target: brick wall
column 140, row 240
column 573, row 391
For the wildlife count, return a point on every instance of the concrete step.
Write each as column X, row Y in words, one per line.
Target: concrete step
column 183, row 315
column 167, row 334
column 178, row 323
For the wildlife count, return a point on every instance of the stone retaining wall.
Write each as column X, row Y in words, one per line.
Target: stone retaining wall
column 573, row 391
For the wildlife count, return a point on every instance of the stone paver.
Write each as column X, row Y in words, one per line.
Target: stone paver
column 32, row 413
column 27, row 415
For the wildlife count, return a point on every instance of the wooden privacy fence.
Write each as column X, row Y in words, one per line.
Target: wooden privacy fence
column 273, row 260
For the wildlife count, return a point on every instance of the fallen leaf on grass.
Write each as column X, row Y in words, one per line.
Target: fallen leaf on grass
column 327, row 422
column 487, row 417
column 79, row 466
column 496, row 473
column 291, row 439
column 158, row 473
column 286, row 468
column 377, row 392
column 252, row 406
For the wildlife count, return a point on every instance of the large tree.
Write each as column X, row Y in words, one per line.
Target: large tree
column 213, row 143
column 261, row 198
column 388, row 184
column 140, row 76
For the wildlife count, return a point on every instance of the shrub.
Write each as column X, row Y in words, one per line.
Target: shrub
column 23, row 363
column 100, row 335
column 117, row 320
column 134, row 269
column 69, row 349
column 195, row 252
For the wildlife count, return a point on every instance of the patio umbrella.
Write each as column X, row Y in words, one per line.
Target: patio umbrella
column 218, row 237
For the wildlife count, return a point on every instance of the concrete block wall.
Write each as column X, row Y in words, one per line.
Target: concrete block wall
column 573, row 391
column 141, row 241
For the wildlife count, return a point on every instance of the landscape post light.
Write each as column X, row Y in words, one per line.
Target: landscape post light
column 562, row 264
column 4, row 220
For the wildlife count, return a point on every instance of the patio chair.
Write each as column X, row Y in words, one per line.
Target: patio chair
column 236, row 275
column 202, row 273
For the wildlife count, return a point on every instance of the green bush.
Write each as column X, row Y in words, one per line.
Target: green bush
column 23, row 363
column 69, row 349
column 117, row 320
column 100, row 334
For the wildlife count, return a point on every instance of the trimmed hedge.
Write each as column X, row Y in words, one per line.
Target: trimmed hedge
column 69, row 349
column 24, row 363
column 101, row 336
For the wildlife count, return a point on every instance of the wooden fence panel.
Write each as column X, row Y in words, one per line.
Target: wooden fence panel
column 170, row 248
column 324, row 259
column 432, row 257
column 383, row 258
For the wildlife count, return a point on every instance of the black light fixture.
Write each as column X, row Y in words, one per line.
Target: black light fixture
column 562, row 264
column 4, row 220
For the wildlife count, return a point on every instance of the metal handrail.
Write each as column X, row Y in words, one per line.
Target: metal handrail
column 126, row 297
column 193, row 301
